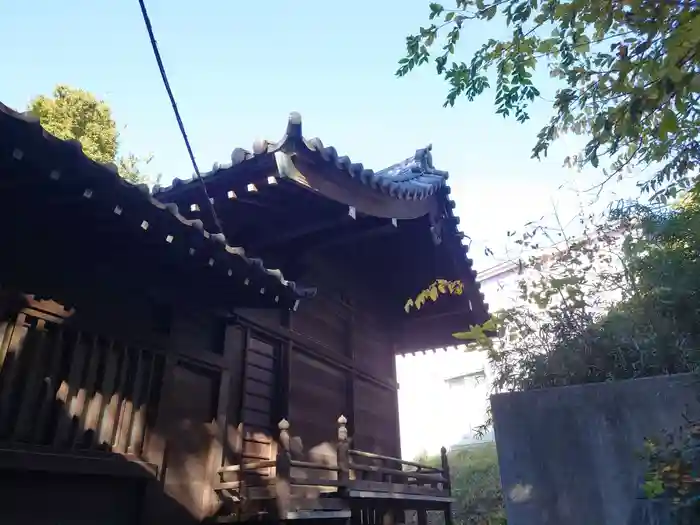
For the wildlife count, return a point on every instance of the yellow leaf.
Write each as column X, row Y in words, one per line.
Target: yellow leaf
column 433, row 291
column 420, row 300
column 439, row 286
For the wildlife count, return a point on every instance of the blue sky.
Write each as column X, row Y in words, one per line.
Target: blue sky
column 239, row 68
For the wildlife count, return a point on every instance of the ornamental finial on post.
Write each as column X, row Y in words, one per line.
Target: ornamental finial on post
column 342, row 429
column 283, row 426
column 343, row 451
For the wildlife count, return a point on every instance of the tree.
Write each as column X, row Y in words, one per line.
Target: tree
column 565, row 332
column 476, row 485
column 622, row 302
column 75, row 114
column 627, row 72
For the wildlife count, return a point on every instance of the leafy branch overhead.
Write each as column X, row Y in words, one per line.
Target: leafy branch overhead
column 440, row 286
column 627, row 72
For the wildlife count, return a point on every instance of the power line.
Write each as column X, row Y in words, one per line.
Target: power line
column 164, row 76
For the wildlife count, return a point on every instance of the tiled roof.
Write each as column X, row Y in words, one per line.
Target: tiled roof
column 16, row 127
column 414, row 178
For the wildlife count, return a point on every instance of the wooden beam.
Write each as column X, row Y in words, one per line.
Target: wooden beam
column 383, row 229
column 300, row 231
column 350, row 343
column 312, row 348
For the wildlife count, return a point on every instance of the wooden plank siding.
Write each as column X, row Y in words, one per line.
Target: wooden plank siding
column 376, row 420
column 325, row 320
column 353, row 356
column 372, row 347
column 258, row 400
column 316, row 399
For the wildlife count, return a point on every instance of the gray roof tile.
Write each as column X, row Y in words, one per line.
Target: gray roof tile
column 413, row 178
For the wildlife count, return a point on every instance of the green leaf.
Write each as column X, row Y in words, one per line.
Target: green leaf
column 583, row 44
column 669, row 123
column 489, row 12
column 546, row 46
column 435, row 10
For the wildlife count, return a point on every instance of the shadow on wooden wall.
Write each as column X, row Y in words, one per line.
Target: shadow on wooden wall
column 78, row 435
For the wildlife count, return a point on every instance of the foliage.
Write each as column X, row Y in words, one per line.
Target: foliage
column 75, row 114
column 636, row 317
column 476, row 485
column 440, row 286
column 130, row 167
column 550, row 336
column 620, row 302
column 672, row 471
column 626, row 71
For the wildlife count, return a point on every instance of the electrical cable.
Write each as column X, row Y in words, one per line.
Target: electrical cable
column 164, row 76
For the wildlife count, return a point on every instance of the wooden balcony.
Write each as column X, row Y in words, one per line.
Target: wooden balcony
column 348, row 485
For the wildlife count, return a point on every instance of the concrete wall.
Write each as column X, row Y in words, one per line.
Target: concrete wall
column 569, row 455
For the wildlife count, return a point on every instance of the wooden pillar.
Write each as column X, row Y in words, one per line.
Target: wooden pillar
column 448, row 483
column 283, row 470
column 283, row 379
column 284, row 455
column 235, row 342
column 219, row 448
column 154, row 499
column 350, row 343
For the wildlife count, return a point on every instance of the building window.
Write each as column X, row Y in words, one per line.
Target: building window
column 466, row 381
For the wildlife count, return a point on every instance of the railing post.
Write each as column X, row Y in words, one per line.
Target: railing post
column 448, row 483
column 283, row 471
column 343, row 451
column 284, row 457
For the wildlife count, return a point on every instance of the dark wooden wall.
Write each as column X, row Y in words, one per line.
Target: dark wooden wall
column 351, row 369
column 173, row 393
column 317, row 396
column 120, row 391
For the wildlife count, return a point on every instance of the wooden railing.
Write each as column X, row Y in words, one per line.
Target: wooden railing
column 64, row 390
column 351, row 474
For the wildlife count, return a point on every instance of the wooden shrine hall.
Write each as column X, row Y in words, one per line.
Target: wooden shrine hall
column 152, row 371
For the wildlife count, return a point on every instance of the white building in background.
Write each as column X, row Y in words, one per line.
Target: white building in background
column 443, row 394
